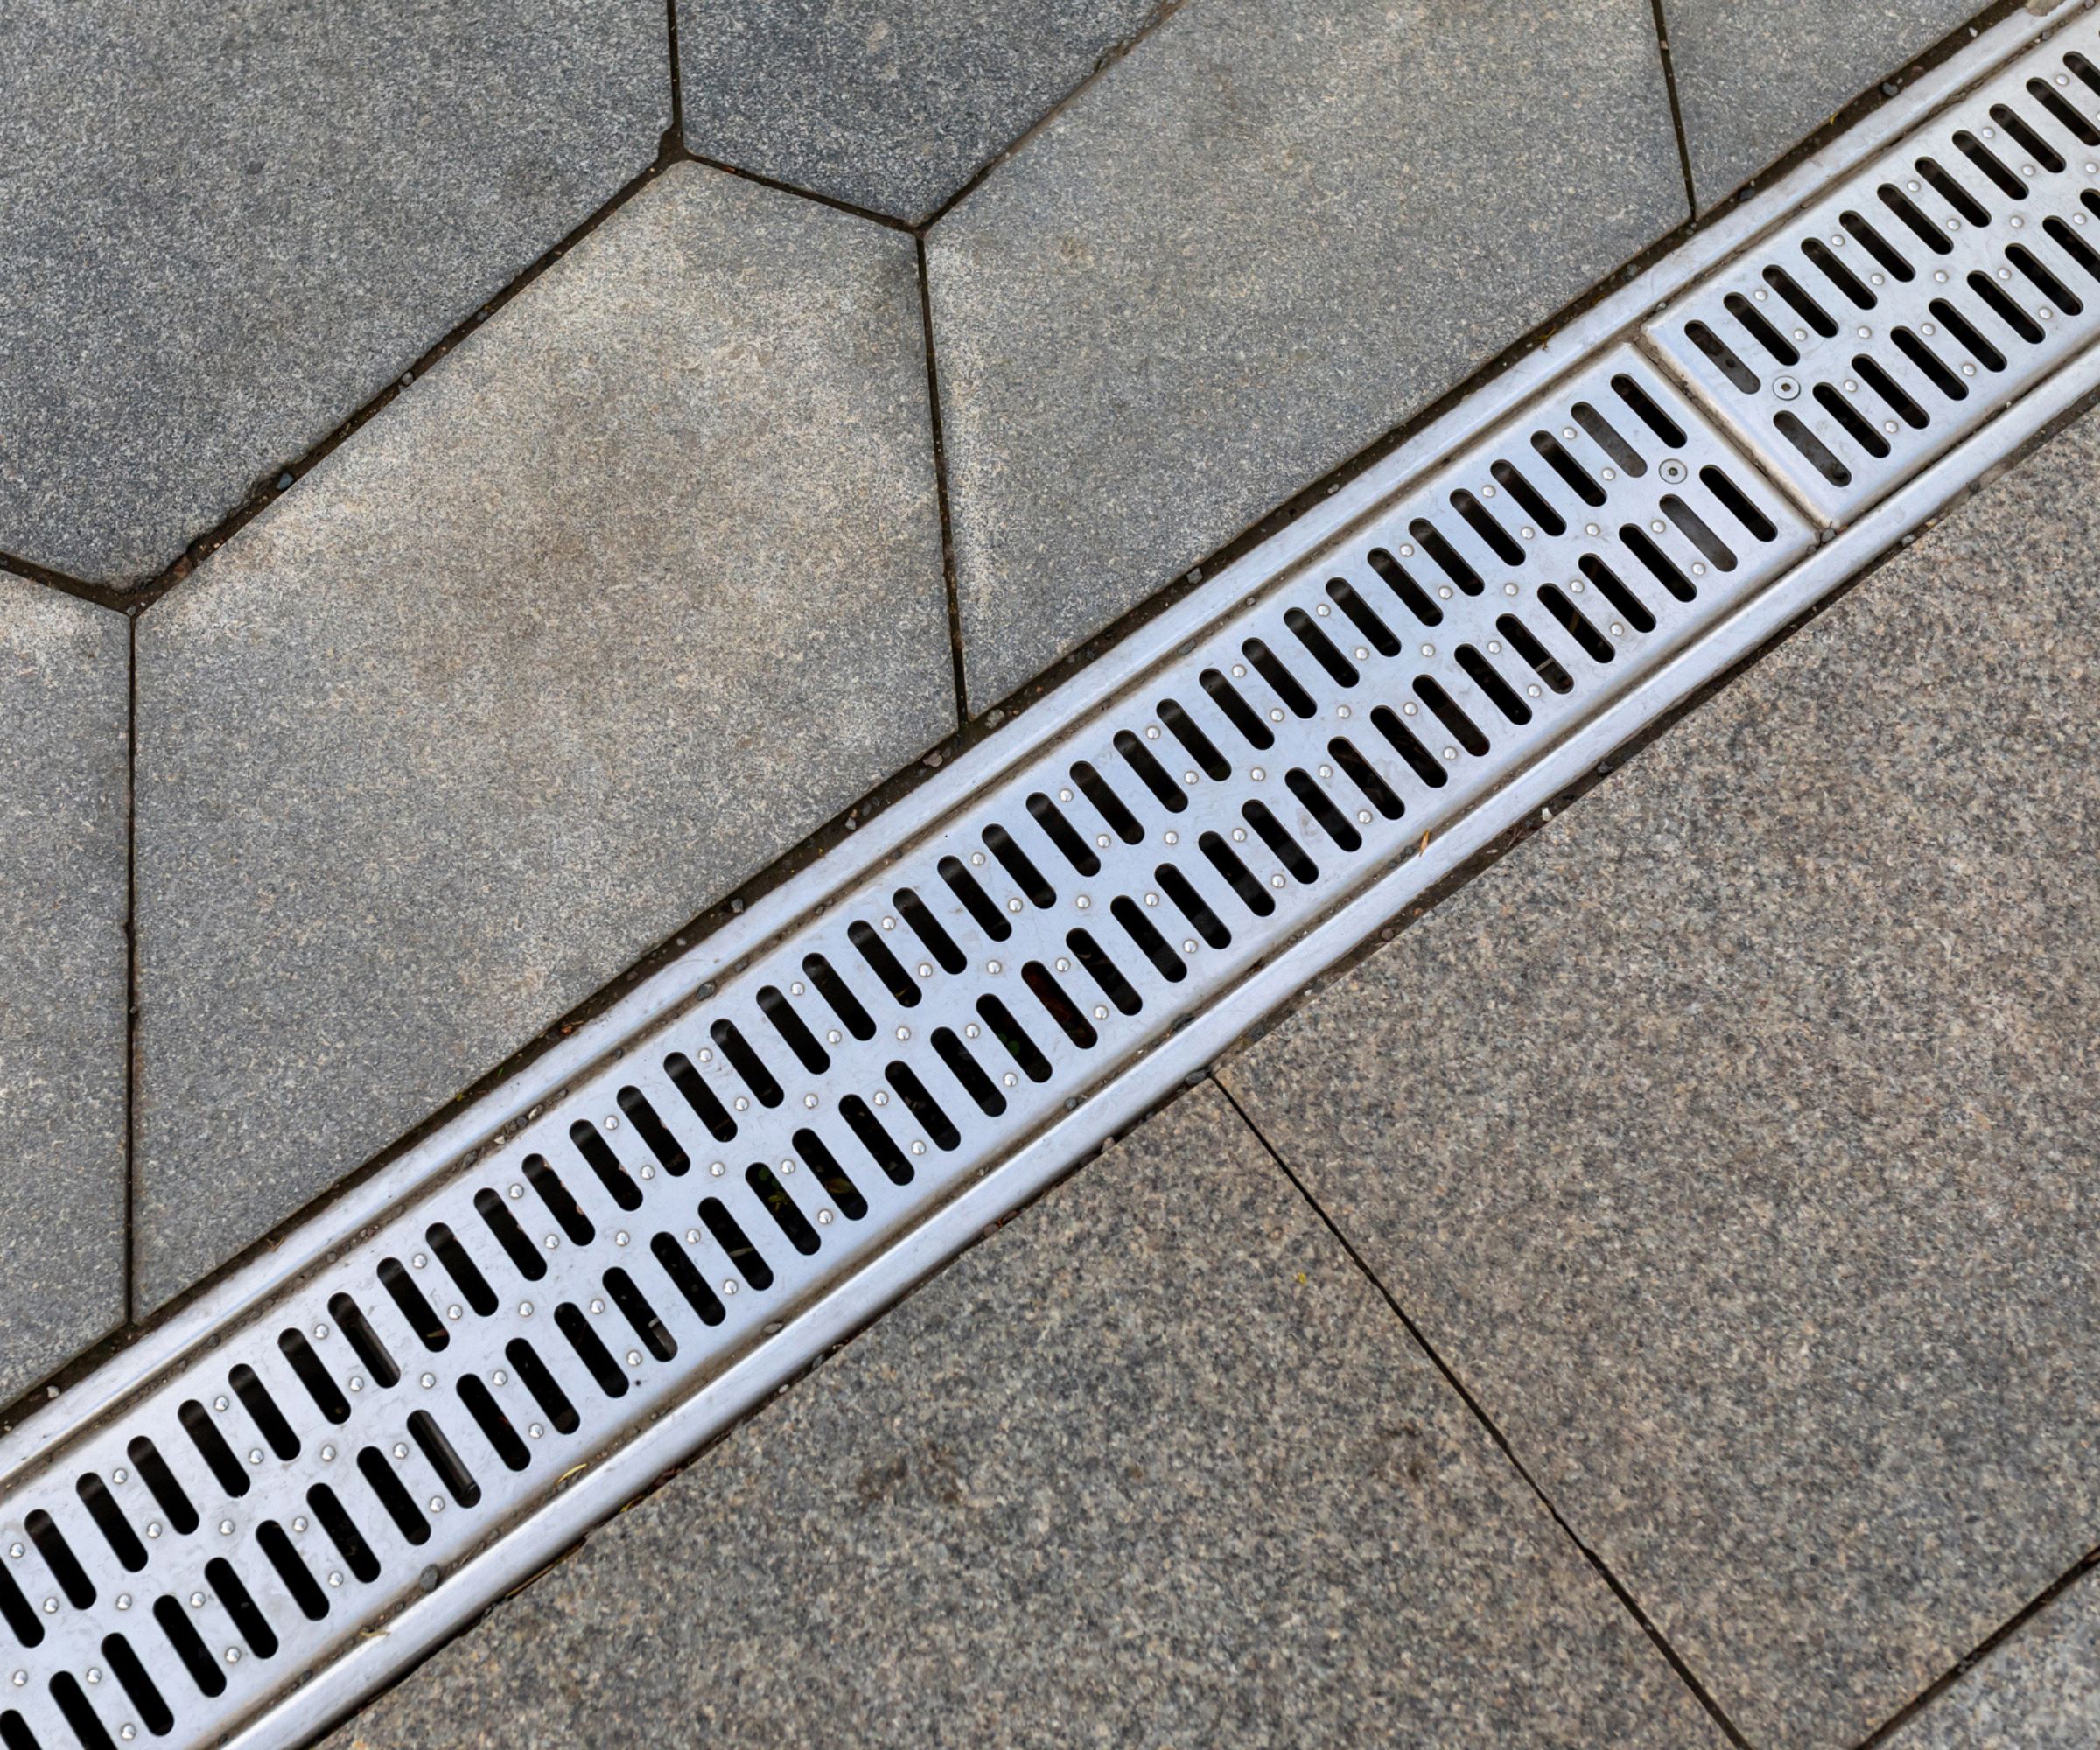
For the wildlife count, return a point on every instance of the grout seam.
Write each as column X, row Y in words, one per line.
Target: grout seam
column 130, row 970
column 1677, row 109
column 948, row 537
column 1983, row 1649
column 1487, row 1422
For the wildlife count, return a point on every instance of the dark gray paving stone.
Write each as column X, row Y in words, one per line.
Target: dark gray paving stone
column 64, row 967
column 1272, row 231
column 891, row 104
column 1153, row 1465
column 1733, row 1139
column 1755, row 77
column 2039, row 1690
column 639, row 586
column 230, row 224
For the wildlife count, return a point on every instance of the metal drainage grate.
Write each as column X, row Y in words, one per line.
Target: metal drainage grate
column 444, row 1377
column 242, row 1519
column 1898, row 312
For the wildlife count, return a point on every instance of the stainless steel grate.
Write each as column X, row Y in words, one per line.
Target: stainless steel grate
column 1896, row 313
column 261, row 1506
column 440, row 1381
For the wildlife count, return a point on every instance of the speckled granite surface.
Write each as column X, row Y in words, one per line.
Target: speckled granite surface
column 640, row 585
column 1734, row 1140
column 2038, row 1690
column 1154, row 1465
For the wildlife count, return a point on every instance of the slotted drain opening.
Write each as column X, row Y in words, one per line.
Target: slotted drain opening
column 1900, row 311
column 442, row 1380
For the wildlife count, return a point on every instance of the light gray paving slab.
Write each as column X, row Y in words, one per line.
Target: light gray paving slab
column 1272, row 231
column 1154, row 1465
column 639, row 586
column 230, row 224
column 2038, row 1690
column 65, row 683
column 1733, row 1139
column 1755, row 77
column 893, row 105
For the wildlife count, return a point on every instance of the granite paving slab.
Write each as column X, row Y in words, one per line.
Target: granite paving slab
column 636, row 588
column 893, row 105
column 1153, row 1465
column 1756, row 76
column 230, row 224
column 1733, row 1138
column 1272, row 231
column 2039, row 1690
column 64, row 686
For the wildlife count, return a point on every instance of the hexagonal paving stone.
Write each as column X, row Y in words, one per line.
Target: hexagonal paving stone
column 893, row 105
column 1755, row 76
column 230, row 224
column 636, row 588
column 1272, row 231
column 64, row 686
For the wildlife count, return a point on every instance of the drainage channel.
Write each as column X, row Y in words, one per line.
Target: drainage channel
column 272, row 1504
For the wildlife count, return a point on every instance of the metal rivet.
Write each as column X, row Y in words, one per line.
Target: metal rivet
column 327, row 1455
column 889, row 923
column 1189, row 946
column 334, row 1578
column 516, row 1192
column 153, row 1528
column 219, row 1404
column 419, row 1260
column 597, row 1307
column 400, row 1449
column 1010, row 1079
column 1429, row 650
column 715, row 1169
column 620, row 1238
column 50, row 1606
column 299, row 1525
column 255, row 1455
column 1100, row 1014
column 535, row 1430
column 1082, row 902
column 741, row 1103
column 918, row 1148
column 427, row 1380
column 991, row 966
column 232, row 1656
column 823, row 1218
column 196, row 1600
column 729, row 1287
column 633, row 1358
column 524, row 1309
column 692, row 1237
column 357, row 1382
column 1275, row 880
column 971, row 1032
column 881, row 1099
column 553, row 1242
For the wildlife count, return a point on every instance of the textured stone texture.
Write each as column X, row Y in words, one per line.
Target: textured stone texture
column 1734, row 1140
column 1273, row 230
column 636, row 588
column 1154, row 1465
column 63, row 971
column 1756, row 76
column 891, row 104
column 2040, row 1691
column 229, row 225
